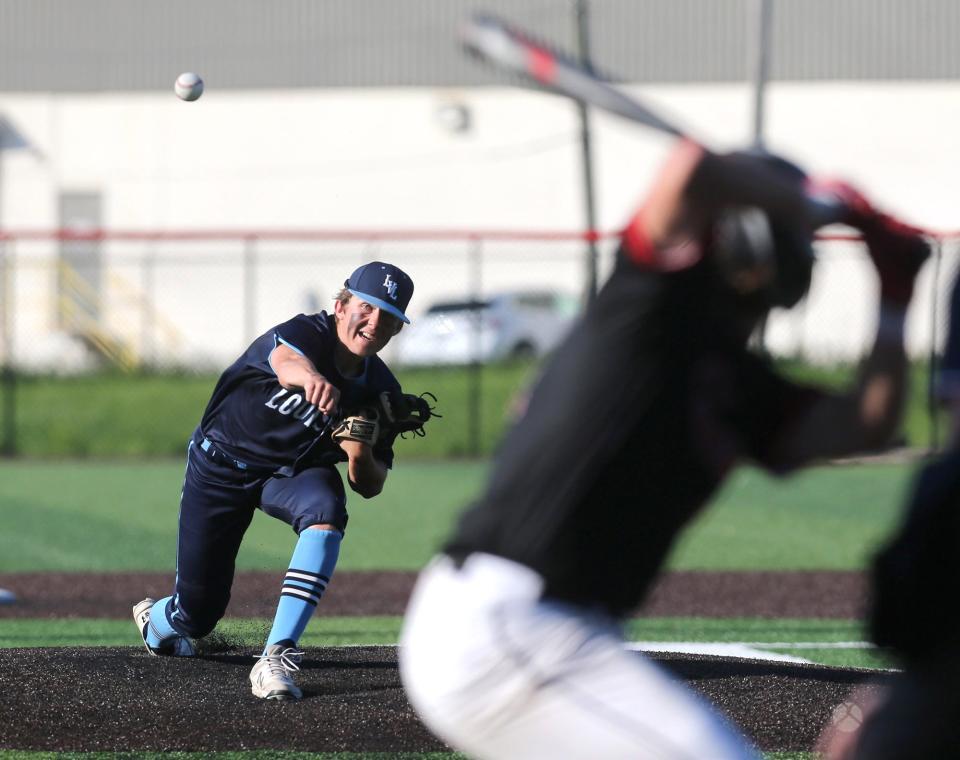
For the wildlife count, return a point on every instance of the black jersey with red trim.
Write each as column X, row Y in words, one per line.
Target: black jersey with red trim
column 948, row 375
column 635, row 422
column 251, row 417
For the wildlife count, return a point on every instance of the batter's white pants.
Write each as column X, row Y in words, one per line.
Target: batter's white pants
column 497, row 672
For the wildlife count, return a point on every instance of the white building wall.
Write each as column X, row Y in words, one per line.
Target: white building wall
column 379, row 159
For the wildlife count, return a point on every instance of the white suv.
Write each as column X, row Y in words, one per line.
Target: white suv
column 504, row 326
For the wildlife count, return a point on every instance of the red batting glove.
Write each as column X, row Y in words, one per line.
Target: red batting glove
column 898, row 250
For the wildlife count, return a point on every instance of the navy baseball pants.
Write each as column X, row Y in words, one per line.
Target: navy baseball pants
column 216, row 508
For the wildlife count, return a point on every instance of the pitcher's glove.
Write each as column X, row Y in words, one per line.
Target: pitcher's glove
column 363, row 426
column 391, row 414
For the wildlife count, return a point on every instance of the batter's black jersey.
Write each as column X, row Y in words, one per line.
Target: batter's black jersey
column 253, row 418
column 636, row 420
column 918, row 569
column 948, row 375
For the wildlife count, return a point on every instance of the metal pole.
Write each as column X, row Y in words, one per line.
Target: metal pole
column 760, row 27
column 147, row 305
column 475, row 392
column 8, row 444
column 933, row 407
column 249, row 289
column 583, row 50
column 759, row 31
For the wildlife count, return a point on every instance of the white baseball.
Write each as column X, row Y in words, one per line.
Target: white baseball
column 189, row 86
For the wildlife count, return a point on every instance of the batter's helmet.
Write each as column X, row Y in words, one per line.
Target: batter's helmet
column 762, row 258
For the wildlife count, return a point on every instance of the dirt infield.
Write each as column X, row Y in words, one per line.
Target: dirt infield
column 822, row 594
column 121, row 699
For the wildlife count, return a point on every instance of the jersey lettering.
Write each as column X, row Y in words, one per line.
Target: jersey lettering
column 295, row 406
column 287, row 406
column 280, row 394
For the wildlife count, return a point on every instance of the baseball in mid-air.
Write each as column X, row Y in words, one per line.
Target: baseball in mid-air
column 189, row 86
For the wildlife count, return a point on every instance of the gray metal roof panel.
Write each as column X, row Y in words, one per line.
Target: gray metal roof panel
column 90, row 45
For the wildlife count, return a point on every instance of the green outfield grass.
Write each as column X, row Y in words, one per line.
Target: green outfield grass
column 144, row 415
column 112, row 516
column 100, row 516
column 823, row 518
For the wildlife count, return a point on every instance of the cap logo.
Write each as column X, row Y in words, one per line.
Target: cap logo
column 391, row 287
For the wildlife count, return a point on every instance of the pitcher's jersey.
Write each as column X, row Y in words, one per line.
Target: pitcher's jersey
column 253, row 418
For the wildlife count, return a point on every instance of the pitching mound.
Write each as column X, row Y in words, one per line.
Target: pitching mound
column 121, row 699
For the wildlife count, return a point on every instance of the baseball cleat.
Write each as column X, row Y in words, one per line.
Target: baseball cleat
column 271, row 677
column 178, row 646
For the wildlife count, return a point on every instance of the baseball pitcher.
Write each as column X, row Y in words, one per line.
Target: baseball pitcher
column 306, row 395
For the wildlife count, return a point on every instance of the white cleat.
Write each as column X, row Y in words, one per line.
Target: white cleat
column 271, row 677
column 178, row 646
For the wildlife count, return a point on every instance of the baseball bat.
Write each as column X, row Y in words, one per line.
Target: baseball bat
column 506, row 47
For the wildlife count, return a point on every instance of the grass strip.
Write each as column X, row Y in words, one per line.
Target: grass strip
column 235, row 632
column 143, row 414
column 13, row 754
column 385, row 630
column 124, row 517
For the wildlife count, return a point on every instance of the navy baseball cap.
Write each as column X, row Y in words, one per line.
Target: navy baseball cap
column 383, row 285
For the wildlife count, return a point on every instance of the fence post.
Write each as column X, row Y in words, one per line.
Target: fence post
column 249, row 288
column 586, row 158
column 475, row 374
column 148, row 356
column 933, row 407
column 760, row 25
column 8, row 444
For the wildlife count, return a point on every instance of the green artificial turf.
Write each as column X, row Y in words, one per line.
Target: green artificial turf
column 150, row 414
column 141, row 415
column 822, row 518
column 803, row 632
column 14, row 754
column 100, row 516
column 232, row 632
column 385, row 630
column 109, row 516
column 742, row 629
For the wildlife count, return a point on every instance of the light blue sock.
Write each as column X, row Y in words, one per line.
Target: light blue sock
column 159, row 628
column 311, row 566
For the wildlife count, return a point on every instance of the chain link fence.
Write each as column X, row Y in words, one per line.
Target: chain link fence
column 134, row 303
column 77, row 302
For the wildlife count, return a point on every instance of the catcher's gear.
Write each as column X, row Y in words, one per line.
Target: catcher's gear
column 392, row 413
